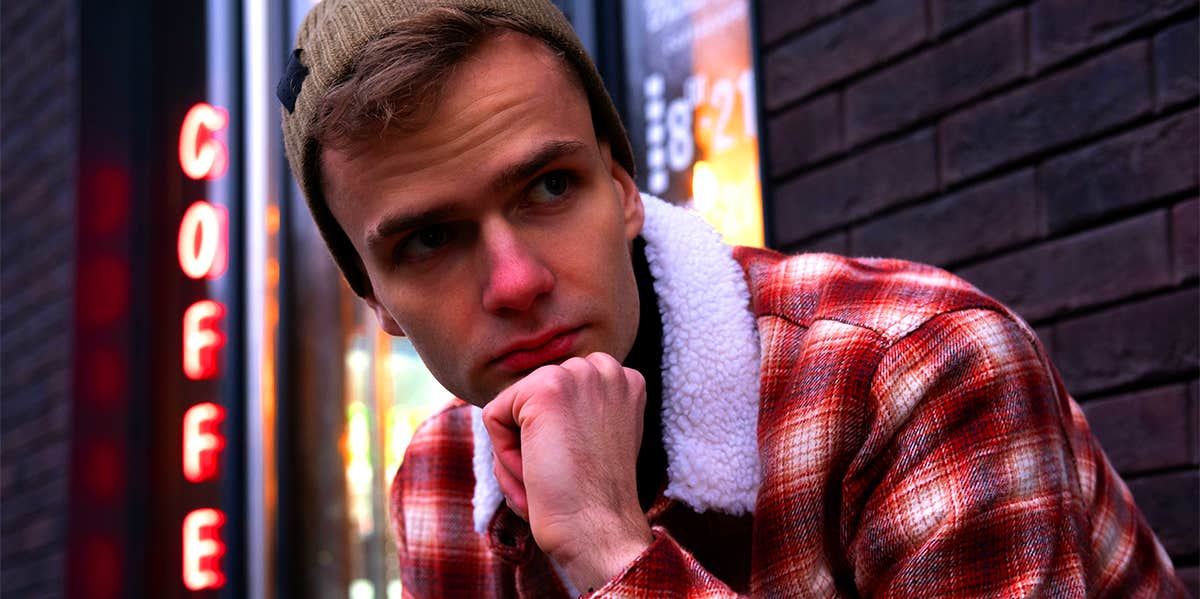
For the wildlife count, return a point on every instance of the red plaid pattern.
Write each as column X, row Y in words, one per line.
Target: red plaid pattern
column 915, row 442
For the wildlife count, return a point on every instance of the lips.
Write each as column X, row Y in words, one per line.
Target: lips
column 527, row 354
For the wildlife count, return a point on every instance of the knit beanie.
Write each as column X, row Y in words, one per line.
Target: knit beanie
column 328, row 47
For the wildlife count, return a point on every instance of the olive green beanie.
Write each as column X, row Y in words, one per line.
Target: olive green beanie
column 328, row 46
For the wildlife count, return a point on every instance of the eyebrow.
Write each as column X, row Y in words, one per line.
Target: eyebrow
column 407, row 222
column 508, row 178
column 547, row 153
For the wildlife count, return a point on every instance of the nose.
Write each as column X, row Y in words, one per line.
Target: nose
column 515, row 274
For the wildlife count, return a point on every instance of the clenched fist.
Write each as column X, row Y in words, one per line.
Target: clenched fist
column 566, row 439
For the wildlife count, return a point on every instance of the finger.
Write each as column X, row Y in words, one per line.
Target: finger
column 498, row 413
column 635, row 383
column 610, row 372
column 603, row 361
column 504, row 434
column 513, row 490
column 580, row 368
column 509, row 458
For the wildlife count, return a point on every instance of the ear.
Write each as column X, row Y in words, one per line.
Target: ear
column 386, row 322
column 626, row 189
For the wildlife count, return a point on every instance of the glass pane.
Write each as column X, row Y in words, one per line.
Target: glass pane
column 389, row 392
column 692, row 109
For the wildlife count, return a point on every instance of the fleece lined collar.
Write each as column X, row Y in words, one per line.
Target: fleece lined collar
column 711, row 371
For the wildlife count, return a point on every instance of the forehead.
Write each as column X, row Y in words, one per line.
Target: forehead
column 504, row 101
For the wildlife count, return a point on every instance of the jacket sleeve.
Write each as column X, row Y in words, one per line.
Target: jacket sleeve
column 664, row 570
column 979, row 478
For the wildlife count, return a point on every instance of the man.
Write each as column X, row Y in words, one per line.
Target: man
column 647, row 412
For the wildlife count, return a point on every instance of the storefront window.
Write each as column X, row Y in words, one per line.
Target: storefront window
column 388, row 393
column 691, row 112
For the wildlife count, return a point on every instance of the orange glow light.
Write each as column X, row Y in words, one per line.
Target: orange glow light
column 201, row 154
column 202, row 441
column 202, row 549
column 202, row 340
column 204, row 240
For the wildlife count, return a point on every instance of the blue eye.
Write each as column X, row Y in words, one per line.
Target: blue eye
column 552, row 187
column 424, row 242
column 556, row 183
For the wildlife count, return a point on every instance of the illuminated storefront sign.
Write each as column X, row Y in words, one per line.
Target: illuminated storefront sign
column 202, row 549
column 201, row 155
column 203, row 249
column 202, row 339
column 202, row 441
column 204, row 241
column 692, row 109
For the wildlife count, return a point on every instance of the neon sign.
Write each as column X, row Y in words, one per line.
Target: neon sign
column 202, row 441
column 202, row 340
column 203, row 241
column 201, row 154
column 202, row 549
column 203, row 249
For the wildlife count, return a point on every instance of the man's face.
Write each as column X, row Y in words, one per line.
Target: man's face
column 497, row 238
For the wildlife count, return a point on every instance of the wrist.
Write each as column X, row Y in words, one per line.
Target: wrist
column 602, row 557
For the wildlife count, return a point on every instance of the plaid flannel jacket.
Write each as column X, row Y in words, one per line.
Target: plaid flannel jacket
column 913, row 441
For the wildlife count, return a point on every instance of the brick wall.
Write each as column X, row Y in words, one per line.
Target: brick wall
column 1046, row 150
column 37, row 249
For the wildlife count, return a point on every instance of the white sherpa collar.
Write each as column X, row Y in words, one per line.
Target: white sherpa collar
column 710, row 371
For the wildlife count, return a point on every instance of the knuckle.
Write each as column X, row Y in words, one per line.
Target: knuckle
column 607, row 366
column 579, row 369
column 601, row 359
column 555, row 379
column 575, row 363
column 636, row 384
column 635, row 379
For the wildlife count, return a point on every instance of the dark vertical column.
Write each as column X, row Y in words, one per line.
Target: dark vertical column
column 107, row 479
column 39, row 92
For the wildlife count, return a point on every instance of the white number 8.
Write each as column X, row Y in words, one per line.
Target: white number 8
column 681, row 148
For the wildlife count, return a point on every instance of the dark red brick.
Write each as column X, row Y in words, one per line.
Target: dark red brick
column 1143, row 431
column 1177, row 63
column 861, row 38
column 1139, row 342
column 778, row 18
column 1185, row 237
column 1190, row 576
column 40, row 492
column 1194, row 420
column 976, row 221
column 1064, row 28
column 948, row 14
column 37, row 158
column 1045, row 334
column 944, row 76
column 804, row 134
column 1097, row 266
column 1105, row 91
column 1122, row 172
column 854, row 188
column 833, row 243
column 35, row 576
column 1169, row 502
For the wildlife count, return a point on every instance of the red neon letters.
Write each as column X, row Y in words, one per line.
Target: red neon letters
column 202, row 339
column 204, row 241
column 203, row 248
column 201, row 155
column 202, row 549
column 202, row 441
